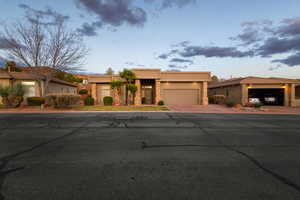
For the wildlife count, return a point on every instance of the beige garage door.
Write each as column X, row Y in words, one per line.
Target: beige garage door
column 181, row 96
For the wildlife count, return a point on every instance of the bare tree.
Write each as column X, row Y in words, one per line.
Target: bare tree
column 38, row 43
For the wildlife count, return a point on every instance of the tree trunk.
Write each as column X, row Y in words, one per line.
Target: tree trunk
column 126, row 99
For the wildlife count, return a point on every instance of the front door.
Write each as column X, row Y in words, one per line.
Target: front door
column 148, row 96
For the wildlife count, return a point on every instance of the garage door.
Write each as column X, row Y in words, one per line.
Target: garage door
column 181, row 96
column 274, row 97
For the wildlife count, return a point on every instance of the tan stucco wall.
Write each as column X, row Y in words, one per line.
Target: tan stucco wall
column 295, row 100
column 185, row 76
column 4, row 82
column 232, row 92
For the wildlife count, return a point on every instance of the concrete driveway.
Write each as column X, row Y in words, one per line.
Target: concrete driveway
column 149, row 156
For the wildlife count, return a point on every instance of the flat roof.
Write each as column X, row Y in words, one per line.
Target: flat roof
column 253, row 80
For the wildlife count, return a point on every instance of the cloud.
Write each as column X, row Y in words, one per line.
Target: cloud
column 260, row 38
column 178, row 66
column 248, row 37
column 289, row 27
column 179, row 60
column 172, row 3
column 276, row 45
column 293, row 60
column 165, row 56
column 214, row 51
column 253, row 32
column 182, row 44
column 89, row 29
column 114, row 12
column 55, row 17
column 134, row 64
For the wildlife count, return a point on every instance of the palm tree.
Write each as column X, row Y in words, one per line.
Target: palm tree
column 117, row 85
column 132, row 89
column 129, row 78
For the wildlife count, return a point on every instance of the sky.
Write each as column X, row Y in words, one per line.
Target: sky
column 231, row 38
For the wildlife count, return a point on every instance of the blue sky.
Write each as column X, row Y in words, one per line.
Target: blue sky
column 204, row 24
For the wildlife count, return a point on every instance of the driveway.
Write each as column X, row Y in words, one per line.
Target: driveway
column 149, row 156
column 214, row 108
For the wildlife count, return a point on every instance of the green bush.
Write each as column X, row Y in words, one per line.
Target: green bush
column 63, row 100
column 211, row 100
column 161, row 103
column 35, row 101
column 83, row 91
column 257, row 105
column 108, row 101
column 143, row 100
column 4, row 91
column 230, row 103
column 89, row 101
column 12, row 96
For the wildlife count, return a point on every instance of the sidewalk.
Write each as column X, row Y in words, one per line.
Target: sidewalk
column 209, row 109
column 214, row 108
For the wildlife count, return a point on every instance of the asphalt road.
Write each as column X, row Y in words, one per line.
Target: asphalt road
column 145, row 156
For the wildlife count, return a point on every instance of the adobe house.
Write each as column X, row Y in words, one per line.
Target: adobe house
column 269, row 91
column 174, row 88
column 32, row 87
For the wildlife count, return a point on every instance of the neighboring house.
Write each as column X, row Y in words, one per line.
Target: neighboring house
column 269, row 91
column 29, row 81
column 174, row 88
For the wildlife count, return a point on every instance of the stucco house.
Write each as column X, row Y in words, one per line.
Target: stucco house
column 174, row 88
column 29, row 81
column 269, row 91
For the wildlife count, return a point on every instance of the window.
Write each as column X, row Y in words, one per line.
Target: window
column 29, row 88
column 297, row 92
column 85, row 82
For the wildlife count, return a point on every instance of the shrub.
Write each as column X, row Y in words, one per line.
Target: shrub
column 35, row 101
column 161, row 103
column 143, row 100
column 219, row 99
column 108, row 101
column 4, row 91
column 257, row 105
column 89, row 101
column 12, row 96
column 17, row 90
column 63, row 100
column 83, row 91
column 230, row 103
column 211, row 100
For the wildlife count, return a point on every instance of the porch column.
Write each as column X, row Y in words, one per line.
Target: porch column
column 244, row 94
column 293, row 97
column 286, row 95
column 137, row 100
column 204, row 93
column 94, row 92
column 157, row 91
